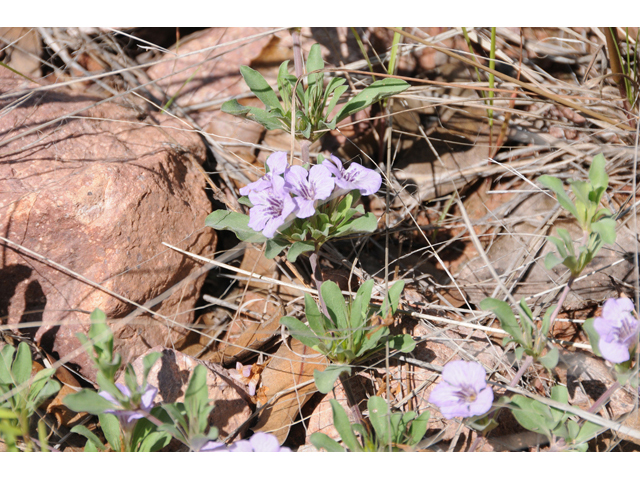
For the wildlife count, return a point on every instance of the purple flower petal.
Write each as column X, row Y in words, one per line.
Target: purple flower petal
column 356, row 177
column 212, row 446
column 618, row 329
column 264, row 442
column 271, row 207
column 316, row 184
column 463, row 391
column 277, row 163
column 147, row 398
column 259, row 442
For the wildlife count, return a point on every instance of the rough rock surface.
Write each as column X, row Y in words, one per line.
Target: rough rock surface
column 171, row 374
column 97, row 190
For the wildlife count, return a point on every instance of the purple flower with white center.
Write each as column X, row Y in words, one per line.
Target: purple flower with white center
column 271, row 207
column 316, row 184
column 463, row 391
column 277, row 163
column 618, row 329
column 128, row 418
column 259, row 442
column 356, row 177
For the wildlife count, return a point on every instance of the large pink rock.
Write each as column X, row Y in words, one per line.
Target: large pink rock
column 97, row 191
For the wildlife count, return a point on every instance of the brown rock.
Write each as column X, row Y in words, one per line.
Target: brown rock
column 216, row 76
column 96, row 190
column 171, row 374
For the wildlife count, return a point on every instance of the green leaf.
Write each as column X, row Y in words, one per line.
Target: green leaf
column 337, row 93
column 588, row 431
column 111, row 429
column 238, row 223
column 527, row 416
column 90, row 436
column 148, row 362
column 196, row 398
column 316, row 319
column 315, row 62
column 326, row 379
column 392, row 299
column 551, row 260
column 506, row 317
column 418, row 428
column 154, row 442
column 244, row 200
column 546, row 320
column 379, row 417
column 343, row 426
column 594, row 337
column 597, row 173
column 42, row 390
column 555, row 185
column 21, row 368
column 87, row 401
column 376, row 91
column 321, row 440
column 260, row 87
column 581, row 190
column 366, row 223
column 299, row 248
column 275, row 245
column 564, row 234
column 606, row 227
column 6, row 359
column 336, row 306
column 268, row 120
column 404, row 343
column 90, row 447
column 302, row 333
column 550, row 360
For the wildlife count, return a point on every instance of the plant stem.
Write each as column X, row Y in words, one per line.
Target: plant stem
column 298, row 63
column 523, row 368
column 351, row 400
column 563, row 297
column 604, row 397
column 317, row 278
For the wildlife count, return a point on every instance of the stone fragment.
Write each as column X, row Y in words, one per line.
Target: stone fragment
column 88, row 185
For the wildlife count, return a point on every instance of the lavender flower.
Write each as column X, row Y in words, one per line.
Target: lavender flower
column 463, row 391
column 259, row 442
column 618, row 329
column 271, row 207
column 128, row 418
column 316, row 184
column 211, row 446
column 277, row 163
column 356, row 177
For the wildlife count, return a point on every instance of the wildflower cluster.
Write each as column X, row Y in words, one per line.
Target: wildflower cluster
column 286, row 192
column 302, row 208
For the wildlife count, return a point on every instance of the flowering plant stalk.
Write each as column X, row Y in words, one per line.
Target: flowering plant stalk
column 299, row 209
column 128, row 416
column 347, row 333
column 308, row 107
